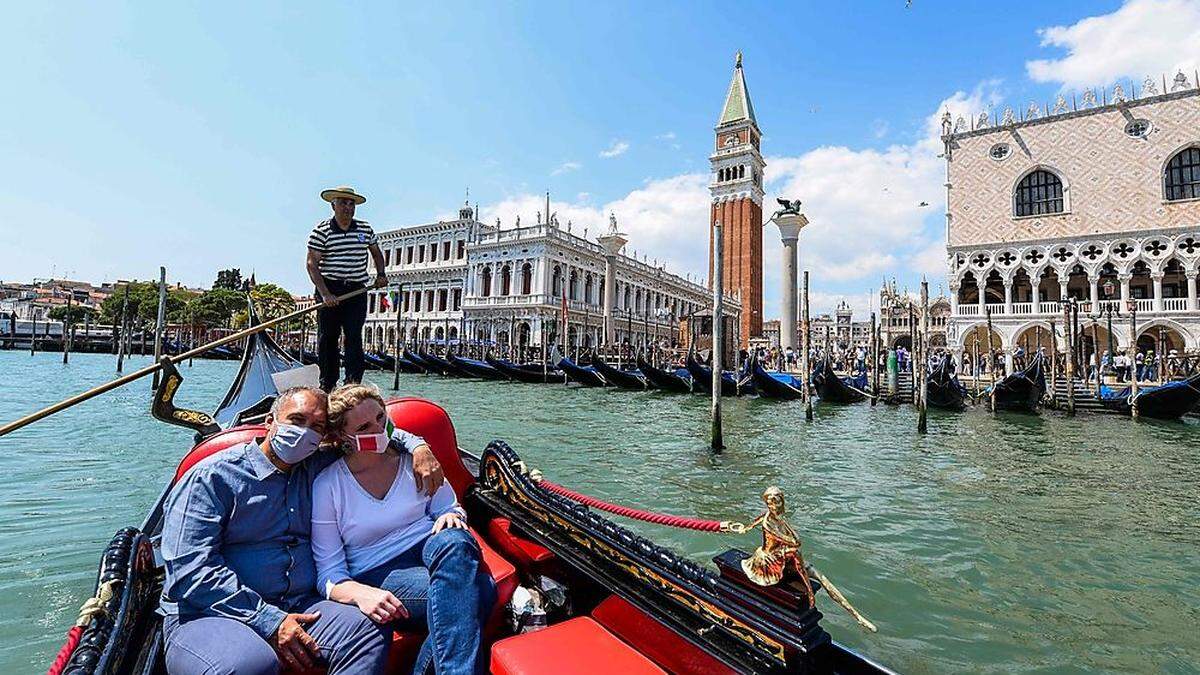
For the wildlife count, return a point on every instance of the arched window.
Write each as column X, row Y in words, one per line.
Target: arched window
column 587, row 288
column 556, row 287
column 573, row 286
column 1182, row 175
column 1039, row 193
column 526, row 279
column 506, row 280
column 485, row 282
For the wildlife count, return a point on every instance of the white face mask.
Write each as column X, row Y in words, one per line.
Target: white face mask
column 293, row 444
column 375, row 443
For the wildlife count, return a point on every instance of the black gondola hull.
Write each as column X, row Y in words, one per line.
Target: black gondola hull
column 664, row 379
column 620, row 378
column 577, row 373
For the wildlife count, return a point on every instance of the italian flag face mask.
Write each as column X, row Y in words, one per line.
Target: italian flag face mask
column 376, row 443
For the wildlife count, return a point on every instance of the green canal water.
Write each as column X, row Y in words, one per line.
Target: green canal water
column 996, row 543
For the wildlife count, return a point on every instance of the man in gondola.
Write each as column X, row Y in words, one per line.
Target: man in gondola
column 240, row 594
column 338, row 249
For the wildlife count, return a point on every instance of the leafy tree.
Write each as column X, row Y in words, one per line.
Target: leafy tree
column 143, row 302
column 230, row 279
column 270, row 302
column 213, row 309
column 77, row 315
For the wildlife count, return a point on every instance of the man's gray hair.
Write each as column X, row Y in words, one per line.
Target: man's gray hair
column 288, row 393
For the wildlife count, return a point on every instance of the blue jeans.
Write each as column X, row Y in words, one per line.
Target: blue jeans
column 445, row 589
column 347, row 640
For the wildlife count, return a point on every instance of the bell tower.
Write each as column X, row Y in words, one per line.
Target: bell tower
column 737, row 198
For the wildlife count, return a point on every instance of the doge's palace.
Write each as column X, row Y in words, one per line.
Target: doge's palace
column 1096, row 198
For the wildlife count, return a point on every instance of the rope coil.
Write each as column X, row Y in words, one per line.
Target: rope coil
column 683, row 522
column 91, row 607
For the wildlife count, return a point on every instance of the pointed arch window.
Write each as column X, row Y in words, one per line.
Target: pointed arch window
column 1181, row 178
column 1039, row 193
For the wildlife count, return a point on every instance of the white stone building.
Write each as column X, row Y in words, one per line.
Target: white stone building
column 466, row 281
column 1097, row 199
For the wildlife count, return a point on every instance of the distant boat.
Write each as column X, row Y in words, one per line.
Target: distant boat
column 1022, row 391
column 679, row 380
column 773, row 384
column 625, row 379
column 943, row 390
column 702, row 377
column 832, row 388
column 475, row 367
column 585, row 375
column 440, row 365
column 1168, row 401
column 534, row 373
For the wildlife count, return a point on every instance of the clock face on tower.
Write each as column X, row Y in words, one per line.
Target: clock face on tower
column 730, row 141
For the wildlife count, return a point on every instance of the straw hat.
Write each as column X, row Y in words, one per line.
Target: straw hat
column 342, row 192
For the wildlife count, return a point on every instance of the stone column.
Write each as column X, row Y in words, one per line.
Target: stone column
column 1125, row 279
column 612, row 244
column 1008, row 296
column 1094, row 286
column 789, row 232
column 981, row 284
column 953, row 300
column 1191, row 291
column 1062, row 289
column 1157, row 280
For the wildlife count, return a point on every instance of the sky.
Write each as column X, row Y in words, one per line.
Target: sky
column 198, row 135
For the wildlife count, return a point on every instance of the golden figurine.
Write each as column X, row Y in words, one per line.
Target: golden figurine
column 780, row 552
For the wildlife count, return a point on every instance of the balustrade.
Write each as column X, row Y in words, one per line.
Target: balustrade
column 1022, row 308
column 1175, row 304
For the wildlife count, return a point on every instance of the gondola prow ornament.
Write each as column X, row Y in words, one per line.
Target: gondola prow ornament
column 780, row 553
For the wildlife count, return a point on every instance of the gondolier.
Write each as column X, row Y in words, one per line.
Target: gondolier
column 337, row 264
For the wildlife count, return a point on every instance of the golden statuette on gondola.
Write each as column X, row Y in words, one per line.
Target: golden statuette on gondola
column 780, row 552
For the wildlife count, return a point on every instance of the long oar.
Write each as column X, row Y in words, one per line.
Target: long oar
column 120, row 381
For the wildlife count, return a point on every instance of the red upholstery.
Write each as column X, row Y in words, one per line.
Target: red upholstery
column 216, row 443
column 655, row 640
column 525, row 553
column 579, row 646
column 430, row 421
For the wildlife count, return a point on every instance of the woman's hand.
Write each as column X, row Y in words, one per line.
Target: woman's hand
column 380, row 605
column 450, row 519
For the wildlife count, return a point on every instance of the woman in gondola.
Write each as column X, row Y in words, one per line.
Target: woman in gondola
column 381, row 544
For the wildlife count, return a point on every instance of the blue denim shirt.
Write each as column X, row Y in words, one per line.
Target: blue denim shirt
column 236, row 537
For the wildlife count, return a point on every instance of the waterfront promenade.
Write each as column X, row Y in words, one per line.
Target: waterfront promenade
column 996, row 542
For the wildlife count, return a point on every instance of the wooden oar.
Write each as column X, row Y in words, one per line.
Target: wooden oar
column 841, row 599
column 153, row 368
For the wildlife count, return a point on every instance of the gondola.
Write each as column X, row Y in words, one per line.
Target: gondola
column 1169, row 401
column 702, row 377
column 223, row 353
column 831, row 388
column 942, row 388
column 773, row 384
column 678, row 380
column 1022, row 391
column 408, row 363
column 303, row 356
column 380, row 361
column 625, row 379
column 440, row 365
column 481, row 369
column 585, row 375
column 635, row 606
column 534, row 373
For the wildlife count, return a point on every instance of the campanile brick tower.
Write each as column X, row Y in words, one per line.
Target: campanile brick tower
column 737, row 197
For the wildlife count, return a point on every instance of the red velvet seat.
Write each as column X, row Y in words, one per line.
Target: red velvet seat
column 579, row 646
column 655, row 640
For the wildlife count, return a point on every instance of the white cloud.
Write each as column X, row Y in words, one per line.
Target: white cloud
column 566, row 167
column 617, row 149
column 1143, row 37
column 669, row 136
column 583, row 196
column 879, row 128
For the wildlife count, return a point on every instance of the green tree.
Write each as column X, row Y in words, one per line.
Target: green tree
column 143, row 302
column 270, row 302
column 230, row 279
column 213, row 309
column 77, row 315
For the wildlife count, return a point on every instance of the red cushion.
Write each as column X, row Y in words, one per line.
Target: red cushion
column 525, row 553
column 655, row 640
column 579, row 646
column 216, row 443
column 430, row 421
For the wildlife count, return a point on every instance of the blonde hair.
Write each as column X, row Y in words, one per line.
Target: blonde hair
column 345, row 398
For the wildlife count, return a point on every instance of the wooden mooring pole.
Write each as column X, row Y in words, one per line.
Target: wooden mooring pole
column 920, row 390
column 874, row 352
column 66, row 338
column 1069, row 338
column 396, row 341
column 1133, row 391
column 804, row 359
column 159, row 321
column 718, row 438
column 121, row 332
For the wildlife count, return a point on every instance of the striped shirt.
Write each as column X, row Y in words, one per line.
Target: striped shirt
column 344, row 254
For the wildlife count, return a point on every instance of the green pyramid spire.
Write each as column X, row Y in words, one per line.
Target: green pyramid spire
column 737, row 102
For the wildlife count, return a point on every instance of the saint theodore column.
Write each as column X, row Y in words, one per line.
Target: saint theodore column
column 789, row 225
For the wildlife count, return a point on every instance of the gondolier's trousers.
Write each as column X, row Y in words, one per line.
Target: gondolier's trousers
column 347, row 319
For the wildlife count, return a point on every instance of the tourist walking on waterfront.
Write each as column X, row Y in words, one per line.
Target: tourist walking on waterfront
column 338, row 249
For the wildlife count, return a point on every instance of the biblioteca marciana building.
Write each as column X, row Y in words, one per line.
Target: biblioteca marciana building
column 1096, row 199
column 464, row 280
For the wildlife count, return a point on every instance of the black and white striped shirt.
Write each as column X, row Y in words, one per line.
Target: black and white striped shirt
column 344, row 254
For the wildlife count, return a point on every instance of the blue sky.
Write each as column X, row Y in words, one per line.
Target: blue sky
column 198, row 136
